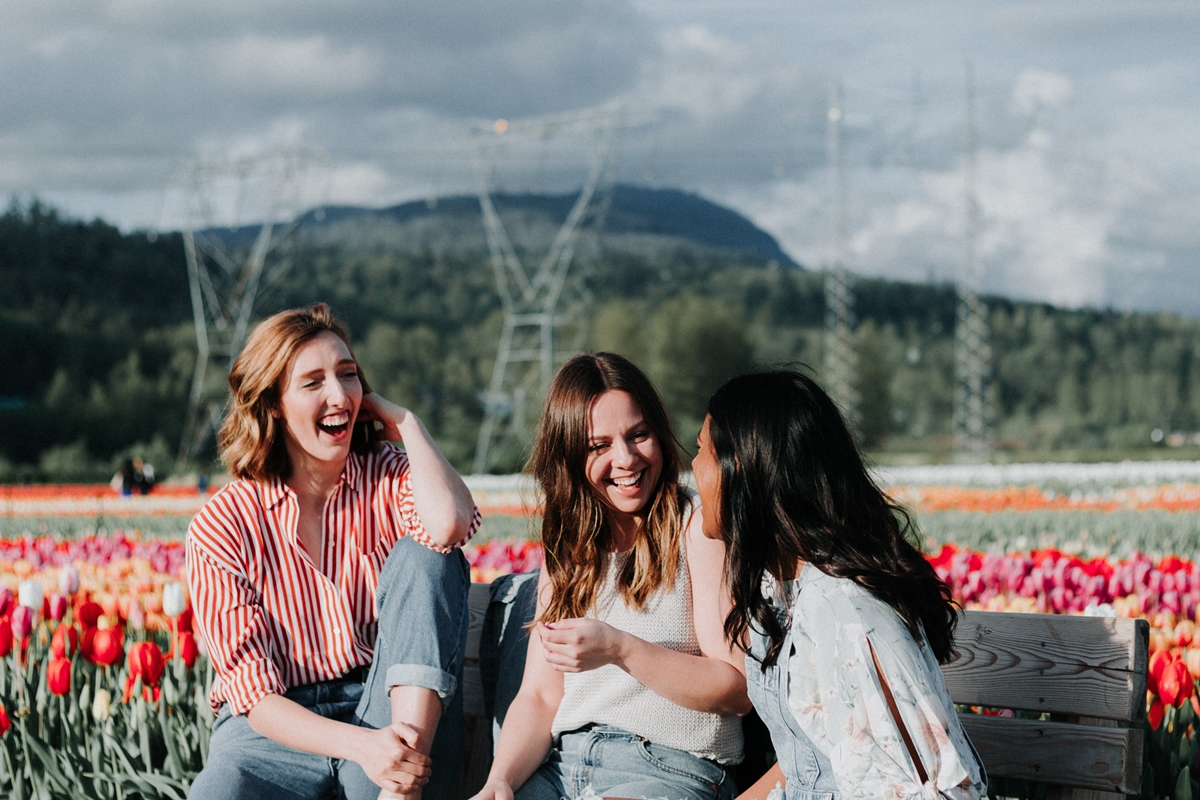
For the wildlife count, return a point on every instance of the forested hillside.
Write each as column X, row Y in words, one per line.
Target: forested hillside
column 100, row 344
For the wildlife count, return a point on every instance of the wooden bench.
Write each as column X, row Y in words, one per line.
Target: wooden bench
column 1088, row 674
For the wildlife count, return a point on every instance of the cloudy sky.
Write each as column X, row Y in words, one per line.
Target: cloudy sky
column 1086, row 113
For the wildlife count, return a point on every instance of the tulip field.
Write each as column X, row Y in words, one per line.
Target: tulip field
column 103, row 685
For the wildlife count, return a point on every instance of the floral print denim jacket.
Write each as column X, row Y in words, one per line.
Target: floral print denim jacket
column 836, row 700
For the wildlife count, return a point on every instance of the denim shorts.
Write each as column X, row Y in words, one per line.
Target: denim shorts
column 616, row 763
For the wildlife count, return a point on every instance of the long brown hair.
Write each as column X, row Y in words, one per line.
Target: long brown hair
column 251, row 440
column 574, row 528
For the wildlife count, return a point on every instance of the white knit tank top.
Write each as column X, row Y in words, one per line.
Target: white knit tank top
column 610, row 696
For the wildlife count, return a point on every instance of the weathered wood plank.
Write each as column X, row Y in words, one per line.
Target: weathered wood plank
column 1108, row 759
column 1090, row 666
column 477, row 757
column 477, row 602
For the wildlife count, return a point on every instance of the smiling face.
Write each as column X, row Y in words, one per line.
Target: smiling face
column 624, row 456
column 319, row 401
column 707, row 471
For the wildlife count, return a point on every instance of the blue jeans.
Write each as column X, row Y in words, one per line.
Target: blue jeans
column 616, row 763
column 422, row 605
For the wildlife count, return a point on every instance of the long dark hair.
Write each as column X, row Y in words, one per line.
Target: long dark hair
column 574, row 528
column 794, row 487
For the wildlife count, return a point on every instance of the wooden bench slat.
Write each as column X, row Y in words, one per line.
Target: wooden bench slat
column 477, row 603
column 1089, row 666
column 1108, row 759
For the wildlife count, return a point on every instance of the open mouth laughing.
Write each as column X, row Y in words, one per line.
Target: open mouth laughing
column 335, row 424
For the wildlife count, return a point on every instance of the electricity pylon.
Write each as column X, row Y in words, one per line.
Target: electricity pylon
column 534, row 305
column 839, row 357
column 972, row 354
column 227, row 269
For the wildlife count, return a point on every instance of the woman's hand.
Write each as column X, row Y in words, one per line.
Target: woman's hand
column 582, row 644
column 495, row 789
column 392, row 761
column 375, row 407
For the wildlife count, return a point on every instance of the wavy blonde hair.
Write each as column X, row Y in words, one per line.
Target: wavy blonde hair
column 251, row 441
column 574, row 529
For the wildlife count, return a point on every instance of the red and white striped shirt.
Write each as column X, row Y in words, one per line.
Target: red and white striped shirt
column 271, row 618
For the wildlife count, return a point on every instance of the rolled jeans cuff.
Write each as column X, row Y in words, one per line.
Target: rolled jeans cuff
column 424, row 676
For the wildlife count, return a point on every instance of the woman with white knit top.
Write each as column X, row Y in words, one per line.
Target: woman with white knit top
column 630, row 688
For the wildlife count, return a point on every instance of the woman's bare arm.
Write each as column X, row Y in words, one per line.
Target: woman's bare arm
column 714, row 682
column 442, row 500
column 392, row 757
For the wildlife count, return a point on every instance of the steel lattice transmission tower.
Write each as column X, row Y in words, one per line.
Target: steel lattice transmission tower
column 839, row 357
column 229, row 266
column 537, row 304
column 972, row 354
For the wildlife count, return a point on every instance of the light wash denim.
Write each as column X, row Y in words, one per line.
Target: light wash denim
column 422, row 605
column 809, row 773
column 616, row 763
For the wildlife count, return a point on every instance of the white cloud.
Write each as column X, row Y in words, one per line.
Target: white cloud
column 1037, row 89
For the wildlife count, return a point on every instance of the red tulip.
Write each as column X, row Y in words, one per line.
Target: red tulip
column 5, row 722
column 86, row 644
column 108, row 646
column 146, row 661
column 88, row 613
column 6, row 637
column 6, row 601
column 188, row 650
column 1155, row 714
column 58, row 676
column 1158, row 662
column 66, row 641
column 1175, row 683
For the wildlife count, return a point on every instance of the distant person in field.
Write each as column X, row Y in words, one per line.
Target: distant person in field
column 630, row 689
column 123, row 482
column 843, row 621
column 327, row 582
column 143, row 476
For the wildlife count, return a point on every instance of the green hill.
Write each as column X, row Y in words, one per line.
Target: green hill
column 101, row 345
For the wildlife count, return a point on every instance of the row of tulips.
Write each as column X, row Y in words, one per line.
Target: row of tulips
column 932, row 499
column 93, row 704
column 92, row 696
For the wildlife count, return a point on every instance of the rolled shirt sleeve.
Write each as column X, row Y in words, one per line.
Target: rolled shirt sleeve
column 233, row 626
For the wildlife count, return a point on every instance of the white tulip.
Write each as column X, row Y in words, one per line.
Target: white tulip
column 173, row 602
column 30, row 595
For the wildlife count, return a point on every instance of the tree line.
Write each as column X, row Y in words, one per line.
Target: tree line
column 100, row 346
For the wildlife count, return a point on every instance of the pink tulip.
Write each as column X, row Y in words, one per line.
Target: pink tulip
column 22, row 622
column 58, row 607
column 68, row 580
column 6, row 600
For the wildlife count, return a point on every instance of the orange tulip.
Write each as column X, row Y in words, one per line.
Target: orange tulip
column 1185, row 632
column 1192, row 659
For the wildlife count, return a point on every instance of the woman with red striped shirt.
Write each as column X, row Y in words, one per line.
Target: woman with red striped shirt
column 327, row 583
